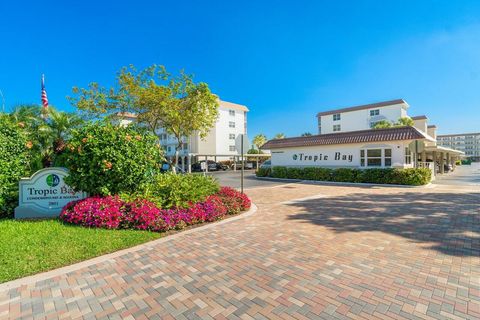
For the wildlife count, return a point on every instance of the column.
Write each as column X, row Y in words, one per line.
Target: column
column 424, row 156
column 183, row 163
column 189, row 163
column 442, row 163
column 206, row 164
column 448, row 158
column 434, row 156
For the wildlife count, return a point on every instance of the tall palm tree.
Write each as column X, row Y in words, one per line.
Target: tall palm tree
column 259, row 140
column 279, row 136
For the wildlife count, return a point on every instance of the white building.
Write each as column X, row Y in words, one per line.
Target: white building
column 469, row 143
column 346, row 139
column 223, row 138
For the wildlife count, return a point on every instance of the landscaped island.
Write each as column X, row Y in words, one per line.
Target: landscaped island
column 130, row 200
column 409, row 176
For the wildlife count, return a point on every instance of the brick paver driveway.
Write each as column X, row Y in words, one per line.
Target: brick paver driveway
column 334, row 253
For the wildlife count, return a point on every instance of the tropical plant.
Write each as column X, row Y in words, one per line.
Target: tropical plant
column 13, row 163
column 405, row 121
column 46, row 131
column 402, row 122
column 306, row 134
column 382, row 124
column 105, row 159
column 279, row 136
column 158, row 99
column 259, row 140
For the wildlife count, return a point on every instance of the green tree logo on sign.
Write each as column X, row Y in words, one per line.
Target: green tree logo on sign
column 53, row 180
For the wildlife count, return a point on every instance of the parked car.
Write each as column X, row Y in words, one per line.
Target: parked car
column 266, row 165
column 238, row 165
column 212, row 166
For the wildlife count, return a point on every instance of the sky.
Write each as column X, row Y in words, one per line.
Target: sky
column 285, row 60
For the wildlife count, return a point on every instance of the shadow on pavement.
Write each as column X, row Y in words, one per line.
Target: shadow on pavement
column 449, row 221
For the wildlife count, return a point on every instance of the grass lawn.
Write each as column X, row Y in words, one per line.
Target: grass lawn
column 29, row 247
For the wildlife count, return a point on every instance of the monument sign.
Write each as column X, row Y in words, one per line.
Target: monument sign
column 44, row 194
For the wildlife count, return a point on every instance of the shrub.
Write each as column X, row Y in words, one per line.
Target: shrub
column 346, row 175
column 105, row 159
column 263, row 172
column 169, row 190
column 95, row 212
column 114, row 213
column 409, row 176
column 280, row 172
column 13, row 163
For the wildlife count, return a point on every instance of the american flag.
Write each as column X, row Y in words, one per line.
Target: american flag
column 44, row 93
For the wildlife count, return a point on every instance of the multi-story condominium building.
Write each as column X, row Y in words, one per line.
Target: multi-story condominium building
column 222, row 140
column 347, row 139
column 469, row 143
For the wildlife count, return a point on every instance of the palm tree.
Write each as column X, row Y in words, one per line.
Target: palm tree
column 47, row 131
column 279, row 136
column 306, row 134
column 61, row 125
column 259, row 140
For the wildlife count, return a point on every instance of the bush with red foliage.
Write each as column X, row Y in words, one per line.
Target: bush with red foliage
column 113, row 213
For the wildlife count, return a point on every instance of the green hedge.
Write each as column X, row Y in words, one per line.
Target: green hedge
column 410, row 176
column 13, row 163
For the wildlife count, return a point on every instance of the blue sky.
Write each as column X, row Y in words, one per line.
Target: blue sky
column 285, row 60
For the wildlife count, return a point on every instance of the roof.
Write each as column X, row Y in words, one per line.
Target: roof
column 365, row 106
column 443, row 149
column 126, row 115
column 458, row 134
column 362, row 136
column 231, row 105
column 223, row 104
column 422, row 117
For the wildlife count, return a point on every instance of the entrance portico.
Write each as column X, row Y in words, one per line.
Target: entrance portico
column 441, row 157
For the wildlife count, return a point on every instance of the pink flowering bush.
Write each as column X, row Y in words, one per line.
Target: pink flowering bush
column 98, row 212
column 113, row 213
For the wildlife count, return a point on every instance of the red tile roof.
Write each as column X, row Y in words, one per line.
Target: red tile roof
column 363, row 136
column 362, row 107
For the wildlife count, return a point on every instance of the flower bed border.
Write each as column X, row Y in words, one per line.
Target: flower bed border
column 112, row 212
column 169, row 236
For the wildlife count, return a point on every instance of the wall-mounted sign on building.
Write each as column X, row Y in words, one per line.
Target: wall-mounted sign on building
column 44, row 194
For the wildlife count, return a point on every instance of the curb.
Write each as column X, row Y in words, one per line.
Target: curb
column 109, row 256
column 350, row 184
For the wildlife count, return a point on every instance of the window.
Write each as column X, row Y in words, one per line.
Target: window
column 232, row 148
column 376, row 157
column 375, row 112
column 336, row 127
column 408, row 156
column 336, row 117
column 387, row 157
column 169, row 149
column 231, row 124
column 231, row 136
column 185, row 146
column 231, row 112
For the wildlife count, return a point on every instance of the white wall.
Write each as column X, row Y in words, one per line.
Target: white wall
column 223, row 130
column 360, row 119
column 335, row 156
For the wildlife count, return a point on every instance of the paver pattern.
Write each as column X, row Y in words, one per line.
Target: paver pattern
column 309, row 252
